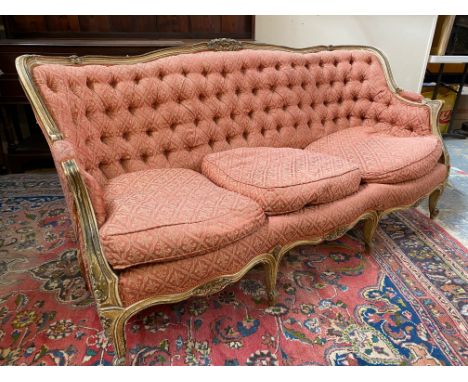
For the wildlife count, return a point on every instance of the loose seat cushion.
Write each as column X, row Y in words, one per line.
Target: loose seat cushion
column 168, row 214
column 282, row 180
column 382, row 158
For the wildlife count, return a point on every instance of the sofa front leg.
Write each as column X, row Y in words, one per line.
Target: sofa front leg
column 370, row 226
column 271, row 273
column 113, row 322
column 433, row 200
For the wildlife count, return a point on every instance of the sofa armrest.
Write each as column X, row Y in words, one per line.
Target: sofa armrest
column 411, row 96
column 104, row 281
column 62, row 151
column 435, row 107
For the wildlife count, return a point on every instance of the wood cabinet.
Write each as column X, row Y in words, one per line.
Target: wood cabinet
column 22, row 145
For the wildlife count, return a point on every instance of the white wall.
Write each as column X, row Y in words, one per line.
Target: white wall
column 405, row 40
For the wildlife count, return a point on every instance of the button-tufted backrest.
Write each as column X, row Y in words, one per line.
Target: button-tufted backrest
column 172, row 111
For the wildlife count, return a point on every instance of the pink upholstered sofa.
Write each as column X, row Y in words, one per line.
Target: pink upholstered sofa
column 184, row 168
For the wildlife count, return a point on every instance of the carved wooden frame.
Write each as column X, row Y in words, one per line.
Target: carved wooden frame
column 104, row 281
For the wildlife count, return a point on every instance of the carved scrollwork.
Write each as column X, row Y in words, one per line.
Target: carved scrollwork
column 75, row 60
column 211, row 288
column 224, row 44
column 336, row 234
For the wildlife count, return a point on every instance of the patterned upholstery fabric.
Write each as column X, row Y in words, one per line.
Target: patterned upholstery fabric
column 62, row 151
column 168, row 214
column 143, row 281
column 147, row 280
column 173, row 111
column 382, row 158
column 318, row 220
column 282, row 180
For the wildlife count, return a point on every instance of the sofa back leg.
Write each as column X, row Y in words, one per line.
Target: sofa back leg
column 370, row 226
column 433, row 200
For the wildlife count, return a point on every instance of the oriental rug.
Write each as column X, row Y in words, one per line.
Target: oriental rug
column 404, row 304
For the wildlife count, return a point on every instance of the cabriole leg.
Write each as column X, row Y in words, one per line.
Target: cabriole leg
column 270, row 268
column 433, row 199
column 370, row 225
column 114, row 325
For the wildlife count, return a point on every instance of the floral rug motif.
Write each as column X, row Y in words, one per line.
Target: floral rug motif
column 404, row 304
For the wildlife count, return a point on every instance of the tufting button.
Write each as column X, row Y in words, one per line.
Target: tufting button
column 202, row 97
column 296, row 125
column 262, row 131
column 245, row 135
column 204, row 72
column 155, row 105
column 149, row 133
column 90, row 84
column 216, row 120
column 113, row 83
column 250, row 114
column 211, row 142
column 196, row 121
column 277, row 66
column 232, row 115
column 131, row 109
column 126, row 136
column 173, row 126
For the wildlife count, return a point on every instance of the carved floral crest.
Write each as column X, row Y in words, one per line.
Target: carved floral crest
column 224, row 44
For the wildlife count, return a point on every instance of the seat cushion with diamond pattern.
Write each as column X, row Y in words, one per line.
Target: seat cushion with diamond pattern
column 382, row 158
column 168, row 214
column 282, row 180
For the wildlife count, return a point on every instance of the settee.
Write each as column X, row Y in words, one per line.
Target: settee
column 184, row 168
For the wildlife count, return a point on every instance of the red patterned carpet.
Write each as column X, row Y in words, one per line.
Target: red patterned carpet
column 404, row 304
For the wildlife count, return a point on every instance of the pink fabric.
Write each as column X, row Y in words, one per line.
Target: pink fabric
column 382, row 158
column 143, row 281
column 173, row 111
column 412, row 96
column 62, row 151
column 177, row 276
column 282, row 180
column 315, row 221
column 168, row 214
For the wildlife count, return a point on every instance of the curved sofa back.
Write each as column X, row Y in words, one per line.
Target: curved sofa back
column 172, row 111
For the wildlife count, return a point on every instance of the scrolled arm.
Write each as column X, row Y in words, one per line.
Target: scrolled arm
column 104, row 281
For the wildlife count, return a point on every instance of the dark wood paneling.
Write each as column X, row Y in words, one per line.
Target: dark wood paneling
column 157, row 27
